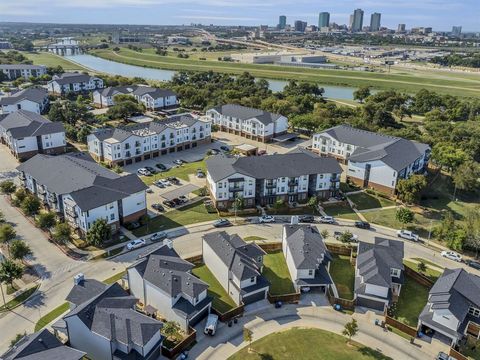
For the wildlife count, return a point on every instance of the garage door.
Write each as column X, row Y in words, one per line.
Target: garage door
column 198, row 317
column 369, row 303
column 252, row 298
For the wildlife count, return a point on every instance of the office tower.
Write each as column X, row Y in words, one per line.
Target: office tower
column 357, row 22
column 282, row 22
column 401, row 28
column 375, row 21
column 456, row 30
column 350, row 22
column 323, row 19
column 300, row 25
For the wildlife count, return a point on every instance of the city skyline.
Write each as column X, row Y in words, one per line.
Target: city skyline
column 439, row 14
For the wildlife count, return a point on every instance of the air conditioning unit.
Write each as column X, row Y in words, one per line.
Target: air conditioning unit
column 78, row 279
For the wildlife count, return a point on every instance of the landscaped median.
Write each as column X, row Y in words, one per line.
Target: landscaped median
column 20, row 299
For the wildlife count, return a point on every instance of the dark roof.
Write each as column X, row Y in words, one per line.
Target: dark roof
column 247, row 113
column 42, row 345
column 165, row 269
column 86, row 290
column 33, row 94
column 24, row 123
column 72, row 77
column 271, row 166
column 111, row 314
column 21, row 66
column 153, row 92
column 115, row 90
column 374, row 261
column 306, row 246
column 239, row 256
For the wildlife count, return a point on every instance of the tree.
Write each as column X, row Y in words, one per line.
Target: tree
column 422, row 268
column 2, row 218
column 248, row 337
column 350, row 329
column 30, row 205
column 46, row 220
column 99, row 232
column 61, row 233
column 278, row 205
column 346, row 237
column 17, row 338
column 472, row 229
column 19, row 250
column 7, row 187
column 125, row 106
column 313, row 202
column 7, row 234
column 361, row 93
column 466, row 176
column 19, row 196
column 409, row 190
column 404, row 215
column 10, row 271
column 171, row 329
column 448, row 156
column 325, row 234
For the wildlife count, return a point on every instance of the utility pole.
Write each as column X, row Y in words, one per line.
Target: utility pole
column 3, row 296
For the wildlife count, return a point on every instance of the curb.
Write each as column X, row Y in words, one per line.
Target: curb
column 23, row 302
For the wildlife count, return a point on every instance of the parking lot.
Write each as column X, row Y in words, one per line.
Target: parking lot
column 8, row 163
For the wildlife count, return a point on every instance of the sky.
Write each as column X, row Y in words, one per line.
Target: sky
column 439, row 14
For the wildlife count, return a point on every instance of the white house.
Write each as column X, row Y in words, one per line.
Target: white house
column 251, row 123
column 152, row 98
column 236, row 265
column 373, row 160
column 127, row 145
column 83, row 191
column 27, row 134
column 73, row 83
column 103, row 98
column 25, row 71
column 164, row 282
column 31, row 99
column 262, row 180
column 379, row 273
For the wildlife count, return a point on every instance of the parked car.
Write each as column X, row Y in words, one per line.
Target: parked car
column 134, row 244
column 133, row 225
column 224, row 148
column 165, row 182
column 158, row 207
column 362, row 225
column 406, row 234
column 177, row 201
column 151, row 169
column 159, row 184
column 266, row 219
column 452, row 255
column 183, row 198
column 443, row 356
column 200, row 174
column 158, row 236
column 327, row 219
column 144, row 172
column 178, row 162
column 215, row 151
column 173, row 180
column 261, row 152
column 222, row 223
column 161, row 167
column 338, row 234
column 211, row 326
column 473, row 264
column 149, row 191
column 169, row 203
column 306, row 218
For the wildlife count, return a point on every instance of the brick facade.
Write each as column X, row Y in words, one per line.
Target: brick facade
column 371, row 185
column 134, row 217
column 263, row 139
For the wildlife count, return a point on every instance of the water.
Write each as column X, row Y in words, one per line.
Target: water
column 116, row 68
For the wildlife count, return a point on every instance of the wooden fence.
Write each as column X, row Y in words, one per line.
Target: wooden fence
column 344, row 303
column 455, row 354
column 181, row 346
column 419, row 278
column 401, row 326
column 195, row 259
column 339, row 249
column 229, row 315
column 284, row 298
column 271, row 246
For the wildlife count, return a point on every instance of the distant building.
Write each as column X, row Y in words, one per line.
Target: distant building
column 282, row 22
column 323, row 19
column 31, row 99
column 73, row 83
column 300, row 26
column 456, row 30
column 16, row 71
column 5, row 44
column 375, row 21
column 357, row 21
column 401, row 28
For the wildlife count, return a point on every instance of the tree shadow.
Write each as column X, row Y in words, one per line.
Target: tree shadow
column 42, row 271
column 36, row 301
column 266, row 357
column 372, row 353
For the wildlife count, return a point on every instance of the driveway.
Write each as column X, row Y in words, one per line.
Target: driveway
column 8, row 164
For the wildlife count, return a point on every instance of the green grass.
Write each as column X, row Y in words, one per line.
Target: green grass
column 428, row 262
column 189, row 214
column 364, row 201
column 411, row 302
column 398, row 332
column 52, row 315
column 343, row 275
column 48, row 59
column 19, row 299
column 222, row 302
column 430, row 273
column 276, row 271
column 114, row 278
column 307, row 344
column 471, row 348
column 341, row 211
column 180, row 172
column 253, row 238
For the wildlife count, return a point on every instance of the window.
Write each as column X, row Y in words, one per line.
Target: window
column 395, row 272
column 220, row 185
column 474, row 311
column 112, row 216
column 252, row 279
column 310, row 272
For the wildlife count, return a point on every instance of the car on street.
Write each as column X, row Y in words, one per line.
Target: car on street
column 473, row 264
column 340, row 197
column 169, row 203
column 266, row 219
column 407, row 234
column 222, row 223
column 327, row 219
column 224, row 148
column 151, row 169
column 178, row 162
column 144, row 172
column 161, row 167
column 306, row 218
column 158, row 236
column 158, row 207
column 149, row 191
column 452, row 255
column 135, row 244
column 362, row 225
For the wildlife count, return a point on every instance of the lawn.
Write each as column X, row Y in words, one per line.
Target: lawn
column 114, row 278
column 47, row 59
column 189, row 214
column 343, row 275
column 180, row 172
column 306, row 344
column 276, row 271
column 432, row 274
column 253, row 238
column 471, row 348
column 19, row 299
column 52, row 315
column 364, row 201
column 411, row 302
column 222, row 302
column 341, row 211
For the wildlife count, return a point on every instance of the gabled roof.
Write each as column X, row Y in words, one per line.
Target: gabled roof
column 21, row 66
column 42, row 345
column 247, row 113
column 33, row 94
column 24, row 123
column 86, row 290
column 153, row 92
column 115, row 90
column 272, row 166
column 71, row 78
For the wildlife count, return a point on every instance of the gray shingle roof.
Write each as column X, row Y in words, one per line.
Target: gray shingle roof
column 115, row 90
column 272, row 166
column 247, row 113
column 71, row 78
column 41, row 345
column 33, row 94
column 86, row 290
column 21, row 66
column 153, row 92
column 24, row 123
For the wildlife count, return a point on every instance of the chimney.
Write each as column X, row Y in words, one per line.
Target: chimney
column 169, row 243
column 294, row 220
column 79, row 279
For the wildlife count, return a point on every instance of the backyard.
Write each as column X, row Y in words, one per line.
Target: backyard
column 276, row 271
column 308, row 344
column 365, row 201
column 411, row 302
column 343, row 275
column 432, row 273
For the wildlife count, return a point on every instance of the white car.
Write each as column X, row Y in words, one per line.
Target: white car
column 143, row 172
column 452, row 255
column 211, row 326
column 406, row 234
column 135, row 244
column 178, row 162
column 266, row 219
column 326, row 219
column 164, row 182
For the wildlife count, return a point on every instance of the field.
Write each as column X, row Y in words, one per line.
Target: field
column 47, row 59
column 409, row 81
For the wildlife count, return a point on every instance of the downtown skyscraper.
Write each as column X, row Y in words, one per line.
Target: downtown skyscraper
column 375, row 21
column 357, row 20
column 323, row 19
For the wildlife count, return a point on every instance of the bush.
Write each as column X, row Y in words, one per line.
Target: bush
column 30, row 205
column 61, row 233
column 46, row 220
column 19, row 196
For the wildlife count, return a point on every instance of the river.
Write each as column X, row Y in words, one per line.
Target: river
column 116, row 68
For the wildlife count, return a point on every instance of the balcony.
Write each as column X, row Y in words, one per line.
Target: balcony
column 335, row 179
column 236, row 188
column 292, row 190
column 270, row 185
column 292, row 182
column 71, row 213
column 21, row 176
column 52, row 198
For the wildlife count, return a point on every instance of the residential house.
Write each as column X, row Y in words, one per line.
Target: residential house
column 27, row 134
column 164, row 282
column 127, row 145
column 263, row 180
column 373, row 160
column 307, row 257
column 152, row 98
column 237, row 265
column 103, row 98
column 251, row 123
column 24, row 71
column 42, row 345
column 106, row 326
column 73, row 83
column 453, row 306
column 31, row 99
column 82, row 191
column 379, row 273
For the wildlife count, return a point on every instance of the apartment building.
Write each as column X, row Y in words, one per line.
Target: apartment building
column 262, row 180
column 27, row 134
column 30, row 99
column 152, row 98
column 373, row 160
column 251, row 123
column 128, row 145
column 73, row 83
column 82, row 191
column 25, row 71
